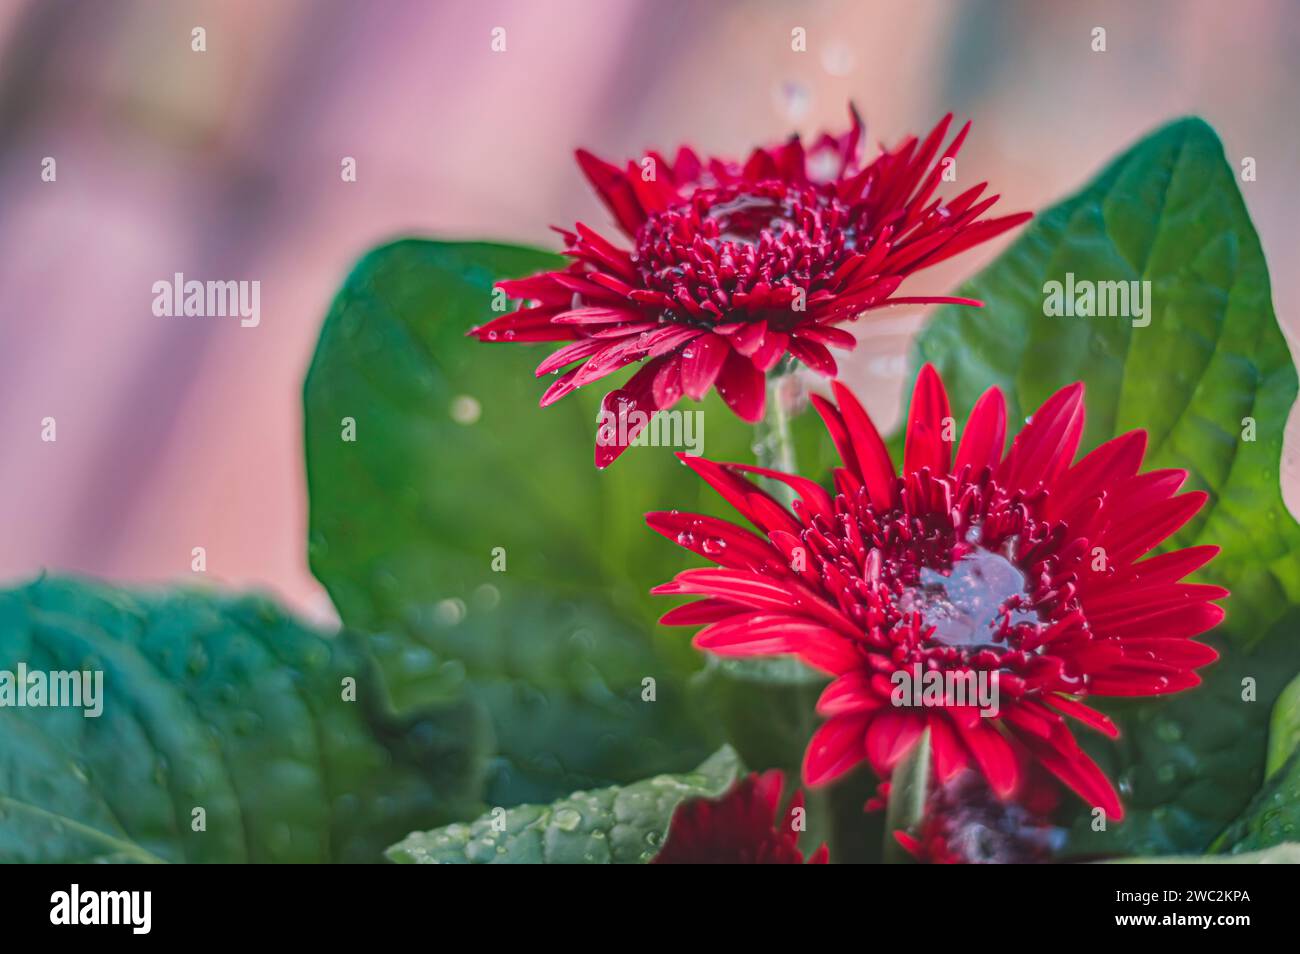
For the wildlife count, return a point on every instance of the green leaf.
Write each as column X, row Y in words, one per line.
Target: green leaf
column 454, row 466
column 1285, row 854
column 1284, row 729
column 453, row 457
column 614, row 825
column 766, row 706
column 1271, row 818
column 1168, row 211
column 565, row 685
column 219, row 703
column 1186, row 765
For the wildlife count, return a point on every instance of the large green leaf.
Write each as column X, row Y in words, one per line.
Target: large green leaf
column 454, row 458
column 1167, row 211
column 615, row 825
column 454, row 468
column 219, row 703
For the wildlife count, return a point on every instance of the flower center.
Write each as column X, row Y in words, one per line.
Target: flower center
column 970, row 605
column 731, row 253
column 961, row 576
column 743, row 219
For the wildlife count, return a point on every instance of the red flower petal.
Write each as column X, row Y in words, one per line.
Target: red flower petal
column 701, row 611
column 614, row 189
column 926, row 423
column 743, row 387
column 848, row 694
column 722, row 542
column 702, row 361
column 1048, row 443
column 667, row 386
column 890, row 736
column 1125, row 543
column 1088, row 716
column 757, row 634
column 835, row 748
column 1175, row 565
column 993, row 754
column 950, row 756
column 870, row 459
column 985, row 434
column 625, row 413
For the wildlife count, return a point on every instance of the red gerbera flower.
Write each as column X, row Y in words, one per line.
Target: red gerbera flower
column 741, row 828
column 1018, row 566
column 733, row 266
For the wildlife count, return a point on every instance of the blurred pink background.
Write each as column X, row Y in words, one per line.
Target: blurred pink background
column 225, row 165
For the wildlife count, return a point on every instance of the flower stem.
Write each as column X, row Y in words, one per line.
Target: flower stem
column 909, row 784
column 774, row 449
column 773, row 442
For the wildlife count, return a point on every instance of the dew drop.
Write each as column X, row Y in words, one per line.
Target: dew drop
column 1168, row 731
column 487, row 596
column 465, row 410
column 449, row 612
column 713, row 546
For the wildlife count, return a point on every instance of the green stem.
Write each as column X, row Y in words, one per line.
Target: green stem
column 774, row 449
column 773, row 442
column 909, row 784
